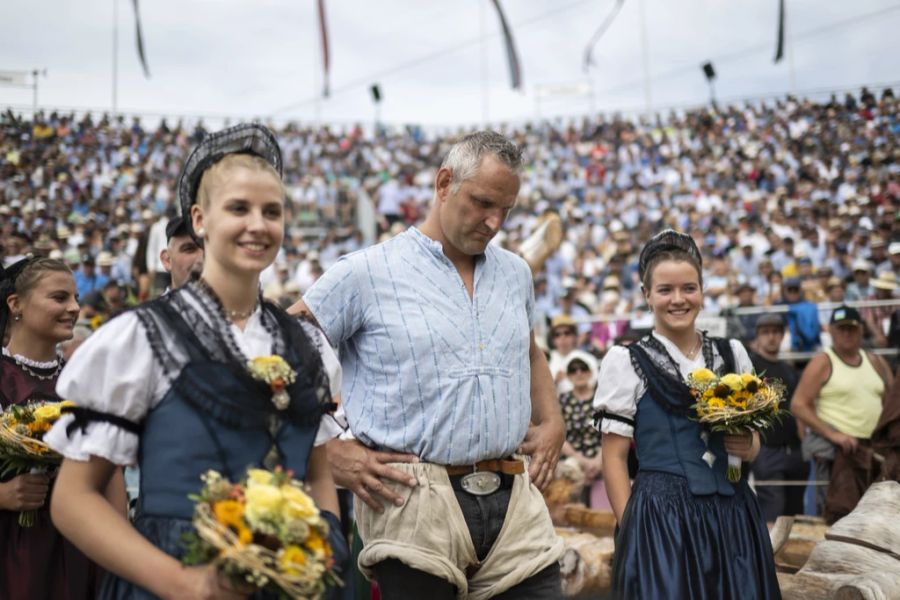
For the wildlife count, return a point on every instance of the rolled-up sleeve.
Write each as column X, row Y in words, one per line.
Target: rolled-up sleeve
column 618, row 390
column 336, row 301
column 113, row 372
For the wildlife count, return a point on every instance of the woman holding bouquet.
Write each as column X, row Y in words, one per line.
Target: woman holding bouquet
column 171, row 386
column 38, row 309
column 685, row 531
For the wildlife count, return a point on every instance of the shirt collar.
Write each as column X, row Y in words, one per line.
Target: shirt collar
column 437, row 248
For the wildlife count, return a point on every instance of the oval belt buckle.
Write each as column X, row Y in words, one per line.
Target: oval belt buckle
column 480, row 483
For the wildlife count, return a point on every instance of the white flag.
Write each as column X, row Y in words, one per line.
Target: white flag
column 14, row 77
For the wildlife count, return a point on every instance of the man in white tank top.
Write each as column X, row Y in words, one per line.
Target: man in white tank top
column 840, row 398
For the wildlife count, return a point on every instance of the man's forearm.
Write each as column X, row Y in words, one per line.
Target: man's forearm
column 544, row 402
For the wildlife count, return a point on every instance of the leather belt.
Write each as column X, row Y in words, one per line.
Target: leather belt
column 508, row 466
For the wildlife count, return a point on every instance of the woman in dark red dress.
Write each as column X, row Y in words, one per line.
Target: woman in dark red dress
column 38, row 309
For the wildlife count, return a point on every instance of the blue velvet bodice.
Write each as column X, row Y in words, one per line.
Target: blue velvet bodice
column 672, row 444
column 181, row 441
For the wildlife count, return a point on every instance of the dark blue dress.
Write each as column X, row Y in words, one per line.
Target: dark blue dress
column 216, row 416
column 687, row 532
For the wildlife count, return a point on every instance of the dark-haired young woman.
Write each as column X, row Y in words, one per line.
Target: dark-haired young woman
column 38, row 310
column 685, row 531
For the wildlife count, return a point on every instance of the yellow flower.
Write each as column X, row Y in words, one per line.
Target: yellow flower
column 228, row 512
column 733, row 381
column 245, row 536
column 47, row 412
column 703, row 375
column 317, row 544
column 39, row 427
column 298, row 505
column 716, row 404
column 258, row 476
column 291, row 558
column 263, row 502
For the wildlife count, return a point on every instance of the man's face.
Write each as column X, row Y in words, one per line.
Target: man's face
column 183, row 258
column 472, row 214
column 847, row 336
column 769, row 338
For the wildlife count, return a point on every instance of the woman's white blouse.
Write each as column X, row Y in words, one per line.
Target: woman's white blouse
column 115, row 372
column 619, row 388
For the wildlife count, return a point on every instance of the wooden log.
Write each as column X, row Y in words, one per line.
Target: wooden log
column 601, row 523
column 586, row 566
column 875, row 522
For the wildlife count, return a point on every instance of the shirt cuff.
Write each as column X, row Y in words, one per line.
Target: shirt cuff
column 617, row 427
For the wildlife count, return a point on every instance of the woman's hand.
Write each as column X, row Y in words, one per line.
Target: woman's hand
column 205, row 583
column 743, row 445
column 24, row 492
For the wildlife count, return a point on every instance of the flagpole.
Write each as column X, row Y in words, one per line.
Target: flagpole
column 792, row 74
column 115, row 58
column 485, row 94
column 645, row 58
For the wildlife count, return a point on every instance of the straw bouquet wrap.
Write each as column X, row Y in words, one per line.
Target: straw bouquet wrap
column 264, row 531
column 22, row 446
column 735, row 403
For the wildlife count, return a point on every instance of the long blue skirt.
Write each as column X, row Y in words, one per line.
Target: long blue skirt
column 672, row 544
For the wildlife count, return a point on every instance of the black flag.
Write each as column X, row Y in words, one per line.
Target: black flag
column 323, row 35
column 779, row 49
column 515, row 70
column 140, row 39
column 588, row 59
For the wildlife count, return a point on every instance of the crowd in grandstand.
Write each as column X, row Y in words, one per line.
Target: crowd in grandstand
column 791, row 202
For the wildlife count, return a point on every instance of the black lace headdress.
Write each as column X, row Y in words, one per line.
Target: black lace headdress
column 665, row 241
column 8, row 277
column 247, row 138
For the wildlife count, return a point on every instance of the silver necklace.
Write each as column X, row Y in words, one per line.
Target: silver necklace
column 693, row 352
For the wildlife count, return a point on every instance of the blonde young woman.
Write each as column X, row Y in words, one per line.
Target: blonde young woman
column 166, row 386
column 684, row 531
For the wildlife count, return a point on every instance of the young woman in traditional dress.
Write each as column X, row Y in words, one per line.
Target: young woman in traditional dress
column 167, row 387
column 685, row 531
column 38, row 310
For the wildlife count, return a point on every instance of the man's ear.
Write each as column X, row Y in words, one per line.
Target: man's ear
column 166, row 260
column 442, row 183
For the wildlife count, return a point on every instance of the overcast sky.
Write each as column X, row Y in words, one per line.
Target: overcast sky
column 438, row 62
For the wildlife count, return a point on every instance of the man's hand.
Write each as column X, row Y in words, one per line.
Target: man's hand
column 847, row 443
column 361, row 471
column 542, row 445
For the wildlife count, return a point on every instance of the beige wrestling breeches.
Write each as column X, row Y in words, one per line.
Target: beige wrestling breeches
column 429, row 533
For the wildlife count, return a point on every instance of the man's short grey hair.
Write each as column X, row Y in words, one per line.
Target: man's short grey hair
column 465, row 156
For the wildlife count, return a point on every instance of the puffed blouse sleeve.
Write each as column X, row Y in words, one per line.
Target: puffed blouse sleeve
column 618, row 391
column 332, row 424
column 112, row 373
column 742, row 361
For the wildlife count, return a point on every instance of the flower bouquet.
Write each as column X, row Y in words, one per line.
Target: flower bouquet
column 264, row 531
column 22, row 446
column 735, row 403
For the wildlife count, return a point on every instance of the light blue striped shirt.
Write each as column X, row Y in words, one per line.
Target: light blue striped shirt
column 427, row 370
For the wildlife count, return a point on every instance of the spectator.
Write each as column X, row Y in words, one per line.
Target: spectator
column 779, row 457
column 861, row 287
column 563, row 336
column 839, row 400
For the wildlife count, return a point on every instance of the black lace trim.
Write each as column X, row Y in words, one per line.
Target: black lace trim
column 86, row 416
column 661, row 376
column 174, row 322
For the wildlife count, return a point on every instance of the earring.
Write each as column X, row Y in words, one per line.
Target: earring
column 201, row 232
column 17, row 317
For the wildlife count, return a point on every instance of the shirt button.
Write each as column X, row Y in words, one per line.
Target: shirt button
column 482, row 346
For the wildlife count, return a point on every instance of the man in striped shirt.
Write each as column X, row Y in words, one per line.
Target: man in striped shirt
column 434, row 329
